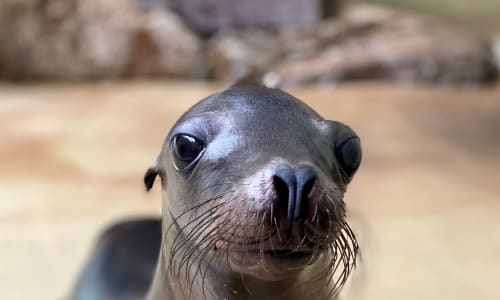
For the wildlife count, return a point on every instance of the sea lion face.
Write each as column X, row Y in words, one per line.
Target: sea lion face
column 255, row 179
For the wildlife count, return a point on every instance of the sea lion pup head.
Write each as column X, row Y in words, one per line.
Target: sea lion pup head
column 253, row 182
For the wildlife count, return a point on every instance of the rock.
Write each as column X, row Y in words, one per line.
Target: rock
column 367, row 42
column 363, row 42
column 85, row 39
column 234, row 55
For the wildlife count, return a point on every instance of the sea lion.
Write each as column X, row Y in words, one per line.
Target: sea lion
column 252, row 184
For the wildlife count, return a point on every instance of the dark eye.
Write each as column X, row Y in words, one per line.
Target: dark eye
column 187, row 150
column 348, row 154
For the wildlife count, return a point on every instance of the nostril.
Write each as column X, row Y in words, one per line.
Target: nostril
column 285, row 183
column 282, row 191
column 306, row 178
column 307, row 189
column 294, row 190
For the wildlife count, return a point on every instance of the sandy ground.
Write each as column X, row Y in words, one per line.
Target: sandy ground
column 425, row 202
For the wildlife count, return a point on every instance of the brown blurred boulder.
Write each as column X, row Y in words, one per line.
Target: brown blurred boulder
column 367, row 42
column 81, row 39
column 233, row 55
column 362, row 42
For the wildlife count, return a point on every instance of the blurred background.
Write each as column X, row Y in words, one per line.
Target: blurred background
column 90, row 88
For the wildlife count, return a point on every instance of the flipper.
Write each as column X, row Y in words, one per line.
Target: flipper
column 122, row 264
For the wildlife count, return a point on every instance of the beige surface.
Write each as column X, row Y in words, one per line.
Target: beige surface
column 425, row 202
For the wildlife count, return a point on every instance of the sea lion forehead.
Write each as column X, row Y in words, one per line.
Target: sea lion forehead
column 251, row 106
column 254, row 98
column 244, row 118
column 249, row 99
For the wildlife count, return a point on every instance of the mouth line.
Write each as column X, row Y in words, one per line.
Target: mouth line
column 297, row 250
column 288, row 253
column 281, row 253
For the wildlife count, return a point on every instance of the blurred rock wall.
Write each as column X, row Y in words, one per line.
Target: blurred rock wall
column 87, row 39
column 227, row 39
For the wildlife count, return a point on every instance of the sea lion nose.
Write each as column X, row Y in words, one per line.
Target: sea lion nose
column 293, row 190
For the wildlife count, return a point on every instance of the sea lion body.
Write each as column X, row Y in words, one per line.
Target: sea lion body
column 253, row 182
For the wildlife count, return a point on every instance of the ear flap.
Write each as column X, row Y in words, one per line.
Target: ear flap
column 150, row 176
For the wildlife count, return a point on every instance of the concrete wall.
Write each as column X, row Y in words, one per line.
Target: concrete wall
column 208, row 16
